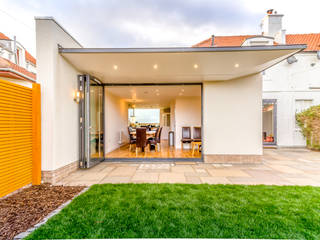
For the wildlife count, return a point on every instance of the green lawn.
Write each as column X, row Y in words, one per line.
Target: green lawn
column 188, row 211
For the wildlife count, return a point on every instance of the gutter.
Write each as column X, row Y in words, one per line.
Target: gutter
column 182, row 49
column 18, row 73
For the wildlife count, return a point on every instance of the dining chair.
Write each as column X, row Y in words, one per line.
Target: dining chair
column 156, row 141
column 132, row 139
column 186, row 136
column 141, row 139
column 196, row 134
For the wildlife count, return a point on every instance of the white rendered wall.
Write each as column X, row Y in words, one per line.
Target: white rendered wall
column 287, row 83
column 116, row 121
column 232, row 116
column 59, row 112
column 187, row 114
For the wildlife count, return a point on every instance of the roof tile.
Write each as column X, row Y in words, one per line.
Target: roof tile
column 312, row 40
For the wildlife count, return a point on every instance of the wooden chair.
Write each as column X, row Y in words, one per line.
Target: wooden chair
column 186, row 136
column 196, row 140
column 156, row 141
column 132, row 139
column 141, row 139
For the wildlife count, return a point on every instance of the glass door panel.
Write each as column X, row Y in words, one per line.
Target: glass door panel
column 96, row 120
column 91, row 121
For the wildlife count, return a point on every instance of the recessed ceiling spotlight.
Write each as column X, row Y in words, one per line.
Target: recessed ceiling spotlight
column 195, row 66
column 180, row 94
column 182, row 90
column 158, row 94
column 155, row 66
column 115, row 67
column 236, row 65
column 157, row 90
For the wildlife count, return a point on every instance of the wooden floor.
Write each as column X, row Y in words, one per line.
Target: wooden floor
column 165, row 152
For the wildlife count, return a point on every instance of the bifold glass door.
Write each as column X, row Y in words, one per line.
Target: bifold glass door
column 91, row 107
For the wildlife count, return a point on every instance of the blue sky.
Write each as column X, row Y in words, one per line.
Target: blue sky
column 152, row 23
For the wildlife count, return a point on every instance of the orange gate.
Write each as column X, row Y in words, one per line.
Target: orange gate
column 20, row 136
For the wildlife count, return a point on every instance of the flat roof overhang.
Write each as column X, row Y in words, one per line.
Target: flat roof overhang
column 175, row 65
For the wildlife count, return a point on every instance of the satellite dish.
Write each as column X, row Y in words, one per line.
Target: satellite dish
column 292, row 59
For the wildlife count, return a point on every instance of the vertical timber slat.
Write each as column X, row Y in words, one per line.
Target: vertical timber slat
column 36, row 134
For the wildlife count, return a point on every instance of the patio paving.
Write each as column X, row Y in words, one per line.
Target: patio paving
column 278, row 167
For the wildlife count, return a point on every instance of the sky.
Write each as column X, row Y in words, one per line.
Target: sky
column 152, row 23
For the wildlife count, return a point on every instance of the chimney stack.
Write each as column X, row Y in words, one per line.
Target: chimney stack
column 271, row 26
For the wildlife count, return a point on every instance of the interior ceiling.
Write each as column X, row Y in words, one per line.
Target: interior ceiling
column 174, row 67
column 154, row 96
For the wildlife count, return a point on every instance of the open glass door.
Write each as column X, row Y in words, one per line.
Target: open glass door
column 91, row 107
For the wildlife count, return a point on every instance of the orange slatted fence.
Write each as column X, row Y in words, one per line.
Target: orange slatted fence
column 20, row 136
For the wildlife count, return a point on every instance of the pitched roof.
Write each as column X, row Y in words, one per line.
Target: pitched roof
column 28, row 56
column 4, row 63
column 2, row 36
column 224, row 41
column 312, row 40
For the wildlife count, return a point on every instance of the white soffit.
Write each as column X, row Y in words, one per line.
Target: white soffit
column 175, row 65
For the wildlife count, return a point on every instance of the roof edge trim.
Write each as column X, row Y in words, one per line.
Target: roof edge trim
column 183, row 49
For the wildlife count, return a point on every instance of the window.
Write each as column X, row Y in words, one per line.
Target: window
column 301, row 105
column 141, row 115
column 18, row 56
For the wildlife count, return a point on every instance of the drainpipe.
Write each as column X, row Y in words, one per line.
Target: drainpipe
column 212, row 40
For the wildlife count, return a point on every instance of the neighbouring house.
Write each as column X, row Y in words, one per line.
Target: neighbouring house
column 288, row 87
column 16, row 63
column 207, row 98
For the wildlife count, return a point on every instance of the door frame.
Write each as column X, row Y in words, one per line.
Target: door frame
column 85, row 160
column 161, row 159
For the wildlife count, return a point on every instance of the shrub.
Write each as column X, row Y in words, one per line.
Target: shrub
column 309, row 122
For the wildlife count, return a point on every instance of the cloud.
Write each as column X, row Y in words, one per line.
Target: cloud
column 153, row 23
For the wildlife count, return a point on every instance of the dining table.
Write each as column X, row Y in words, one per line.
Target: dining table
column 150, row 133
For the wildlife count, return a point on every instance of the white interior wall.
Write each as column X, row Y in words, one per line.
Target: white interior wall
column 187, row 114
column 267, row 122
column 232, row 116
column 59, row 112
column 116, row 121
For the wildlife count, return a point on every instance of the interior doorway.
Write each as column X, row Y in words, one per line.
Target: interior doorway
column 163, row 111
column 269, row 121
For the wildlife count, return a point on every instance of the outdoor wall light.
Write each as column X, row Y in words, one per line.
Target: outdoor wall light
column 155, row 66
column 292, row 59
column 76, row 96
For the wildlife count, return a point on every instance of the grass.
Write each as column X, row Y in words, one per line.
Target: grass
column 188, row 211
